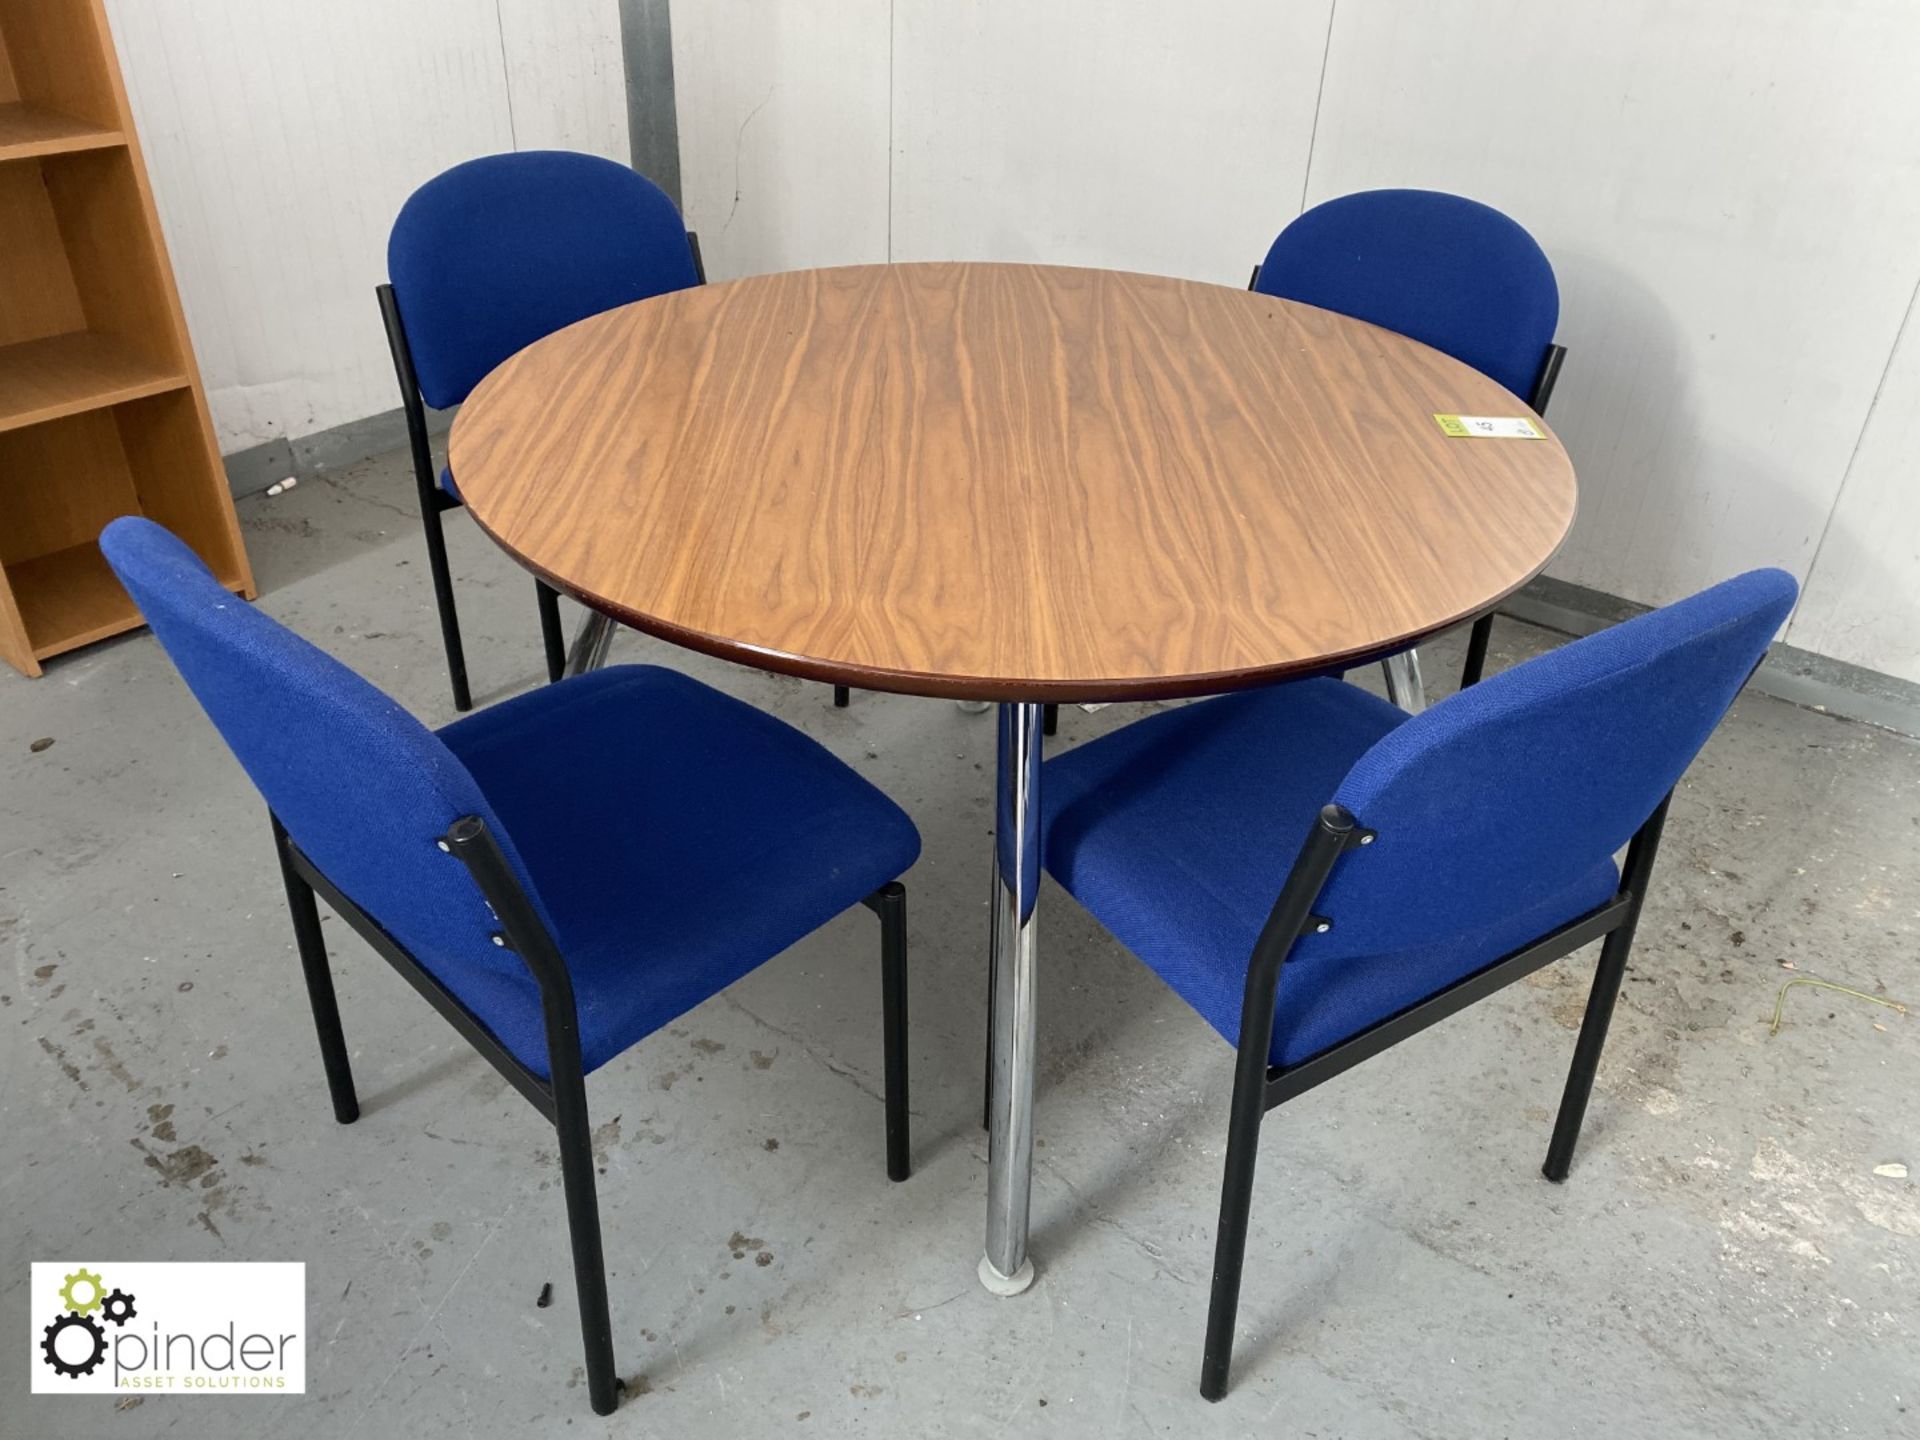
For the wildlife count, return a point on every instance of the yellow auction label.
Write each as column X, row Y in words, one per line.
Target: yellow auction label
column 1491, row 427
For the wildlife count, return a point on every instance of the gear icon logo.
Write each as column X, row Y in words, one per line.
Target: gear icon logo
column 75, row 1343
column 50, row 1345
column 83, row 1279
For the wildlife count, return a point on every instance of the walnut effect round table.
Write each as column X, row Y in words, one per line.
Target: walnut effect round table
column 1011, row 483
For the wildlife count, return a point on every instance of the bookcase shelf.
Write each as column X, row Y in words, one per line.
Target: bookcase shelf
column 69, row 598
column 101, row 408
column 27, row 131
column 65, row 374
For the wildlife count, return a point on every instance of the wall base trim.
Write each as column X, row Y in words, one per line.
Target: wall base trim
column 252, row 470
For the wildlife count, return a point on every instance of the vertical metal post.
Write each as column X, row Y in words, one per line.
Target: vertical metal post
column 653, row 121
column 591, row 641
column 1405, row 687
column 1005, row 1268
column 993, row 987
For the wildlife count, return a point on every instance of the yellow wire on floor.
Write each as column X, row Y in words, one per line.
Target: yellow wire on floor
column 1780, row 1004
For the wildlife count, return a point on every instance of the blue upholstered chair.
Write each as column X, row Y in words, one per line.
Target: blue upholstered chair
column 1446, row 854
column 490, row 257
column 559, row 875
column 1447, row 271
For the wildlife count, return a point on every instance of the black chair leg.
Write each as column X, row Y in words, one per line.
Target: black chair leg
column 889, row 902
column 583, row 1225
column 1049, row 719
column 550, row 636
column 1230, row 1240
column 1477, row 640
column 842, row 697
column 449, row 617
column 1607, row 976
column 313, row 960
column 1586, row 1055
column 525, row 934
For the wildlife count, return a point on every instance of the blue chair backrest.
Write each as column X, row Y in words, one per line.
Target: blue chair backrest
column 501, row 251
column 1511, row 790
column 1447, row 271
column 364, row 789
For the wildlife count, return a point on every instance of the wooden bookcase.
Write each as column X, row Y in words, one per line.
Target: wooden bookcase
column 101, row 408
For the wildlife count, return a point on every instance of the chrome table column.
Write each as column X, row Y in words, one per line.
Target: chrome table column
column 1405, row 687
column 1005, row 1268
column 590, row 643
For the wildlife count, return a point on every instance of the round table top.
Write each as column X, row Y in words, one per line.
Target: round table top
column 1009, row 482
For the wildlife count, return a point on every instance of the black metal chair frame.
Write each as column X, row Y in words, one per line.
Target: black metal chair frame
column 562, row 1100
column 435, row 502
column 1259, row 1086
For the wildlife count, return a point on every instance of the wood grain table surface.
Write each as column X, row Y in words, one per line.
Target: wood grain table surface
column 1008, row 482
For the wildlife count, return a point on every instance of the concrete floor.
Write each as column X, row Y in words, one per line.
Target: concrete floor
column 1724, row 1261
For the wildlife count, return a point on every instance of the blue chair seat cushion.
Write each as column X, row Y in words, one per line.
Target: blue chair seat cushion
column 446, row 484
column 1177, row 833
column 677, row 838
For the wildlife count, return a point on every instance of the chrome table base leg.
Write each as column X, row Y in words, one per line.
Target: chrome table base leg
column 1405, row 688
column 590, row 643
column 1005, row 1268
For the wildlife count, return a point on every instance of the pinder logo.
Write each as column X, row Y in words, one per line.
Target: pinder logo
column 204, row 1329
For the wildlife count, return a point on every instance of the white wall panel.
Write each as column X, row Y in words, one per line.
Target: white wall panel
column 1730, row 192
column 282, row 137
column 566, row 80
column 1862, row 602
column 783, row 131
column 1133, row 134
